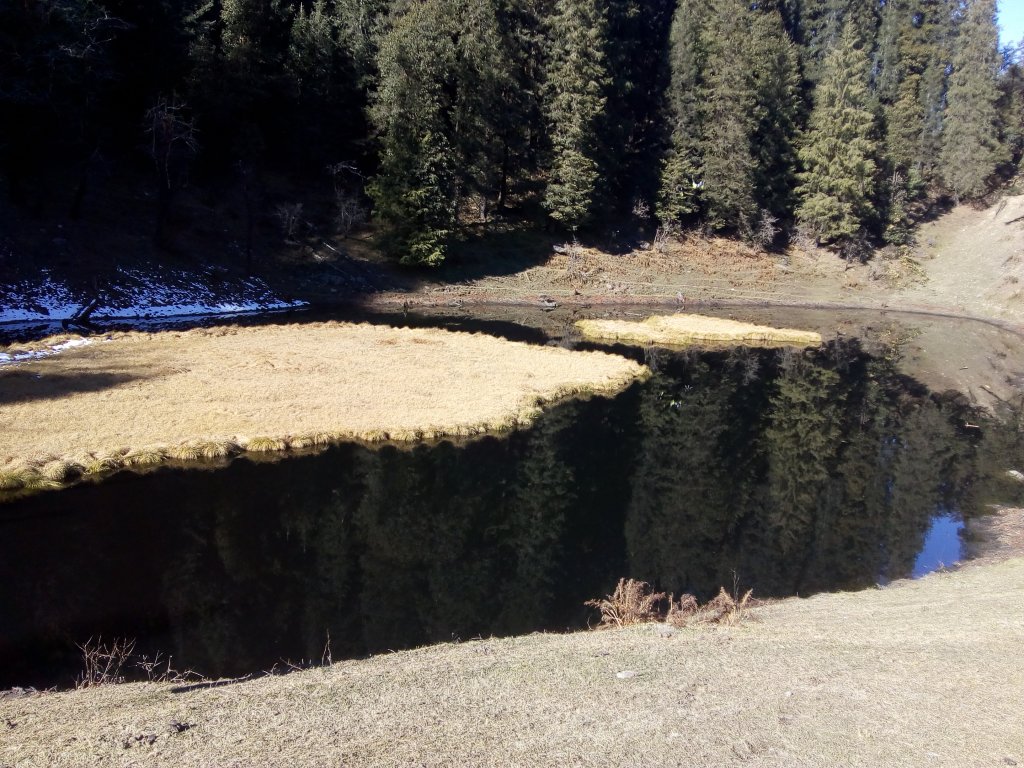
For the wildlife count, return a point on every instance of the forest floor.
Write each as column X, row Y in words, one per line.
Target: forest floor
column 919, row 673
column 139, row 399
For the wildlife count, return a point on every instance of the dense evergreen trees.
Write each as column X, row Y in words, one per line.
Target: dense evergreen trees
column 971, row 142
column 837, row 187
column 848, row 116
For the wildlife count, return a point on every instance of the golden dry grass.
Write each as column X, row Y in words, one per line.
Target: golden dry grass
column 923, row 673
column 688, row 330
column 138, row 399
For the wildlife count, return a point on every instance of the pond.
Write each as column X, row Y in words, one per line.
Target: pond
column 788, row 472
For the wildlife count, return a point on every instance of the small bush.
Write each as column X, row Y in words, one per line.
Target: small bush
column 102, row 664
column 723, row 609
column 635, row 602
column 632, row 602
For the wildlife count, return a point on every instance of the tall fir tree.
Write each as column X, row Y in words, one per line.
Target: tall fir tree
column 839, row 157
column 734, row 116
column 416, row 188
column 778, row 113
column 686, row 98
column 634, row 134
column 729, row 163
column 441, row 108
column 971, row 142
column 577, row 80
column 818, row 24
column 912, row 61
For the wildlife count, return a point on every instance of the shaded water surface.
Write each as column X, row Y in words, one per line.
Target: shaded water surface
column 788, row 472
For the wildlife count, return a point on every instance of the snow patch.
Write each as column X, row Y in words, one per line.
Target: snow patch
column 7, row 358
column 141, row 294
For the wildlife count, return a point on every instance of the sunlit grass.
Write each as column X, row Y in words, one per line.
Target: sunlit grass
column 694, row 330
column 139, row 399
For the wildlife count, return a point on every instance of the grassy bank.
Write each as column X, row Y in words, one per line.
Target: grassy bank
column 923, row 673
column 143, row 399
column 685, row 330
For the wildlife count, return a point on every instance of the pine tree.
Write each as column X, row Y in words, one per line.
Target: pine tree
column 577, row 79
column 442, row 109
column 913, row 57
column 971, row 147
column 817, row 25
column 837, row 186
column 633, row 133
column 778, row 114
column 734, row 110
column 682, row 169
column 728, row 160
column 416, row 188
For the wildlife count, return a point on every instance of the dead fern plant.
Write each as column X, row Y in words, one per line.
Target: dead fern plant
column 722, row 609
column 632, row 602
column 635, row 602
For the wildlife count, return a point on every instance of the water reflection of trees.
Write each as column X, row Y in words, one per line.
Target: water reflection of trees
column 824, row 473
column 798, row 471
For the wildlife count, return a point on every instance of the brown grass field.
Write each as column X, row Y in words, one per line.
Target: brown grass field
column 921, row 673
column 142, row 399
column 687, row 330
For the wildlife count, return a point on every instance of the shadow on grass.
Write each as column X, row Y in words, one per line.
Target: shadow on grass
column 494, row 254
column 24, row 386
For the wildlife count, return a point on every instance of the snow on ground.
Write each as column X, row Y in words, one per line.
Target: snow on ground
column 7, row 358
column 139, row 294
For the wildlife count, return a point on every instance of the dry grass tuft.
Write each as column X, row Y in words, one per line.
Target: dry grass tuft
column 632, row 602
column 184, row 452
column 688, row 330
column 61, row 471
column 96, row 465
column 195, row 395
column 145, row 457
column 266, row 445
column 217, row 449
column 302, row 442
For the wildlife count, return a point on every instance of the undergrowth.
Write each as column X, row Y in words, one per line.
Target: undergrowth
column 635, row 602
column 117, row 662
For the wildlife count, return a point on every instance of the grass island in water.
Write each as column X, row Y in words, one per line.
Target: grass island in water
column 135, row 399
column 685, row 330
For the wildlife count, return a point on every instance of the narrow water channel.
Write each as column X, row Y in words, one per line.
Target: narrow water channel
column 783, row 471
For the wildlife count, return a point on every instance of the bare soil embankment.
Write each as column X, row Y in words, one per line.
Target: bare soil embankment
column 136, row 399
column 968, row 263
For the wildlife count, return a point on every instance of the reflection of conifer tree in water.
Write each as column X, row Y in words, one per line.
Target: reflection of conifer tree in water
column 266, row 572
column 1000, row 448
column 801, row 442
column 854, row 508
column 543, row 490
column 689, row 487
column 426, row 521
column 927, row 470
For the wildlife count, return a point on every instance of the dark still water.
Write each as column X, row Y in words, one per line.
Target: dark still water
column 796, row 471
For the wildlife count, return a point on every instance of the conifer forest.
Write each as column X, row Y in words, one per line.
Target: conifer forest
column 841, row 121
